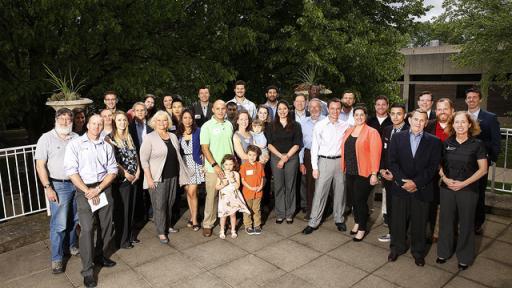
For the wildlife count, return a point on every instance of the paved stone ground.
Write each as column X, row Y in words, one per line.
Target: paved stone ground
column 280, row 257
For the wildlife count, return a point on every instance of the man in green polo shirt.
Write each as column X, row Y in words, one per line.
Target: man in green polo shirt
column 216, row 141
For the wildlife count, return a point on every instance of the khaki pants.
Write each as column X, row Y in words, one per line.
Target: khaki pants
column 210, row 205
column 254, row 207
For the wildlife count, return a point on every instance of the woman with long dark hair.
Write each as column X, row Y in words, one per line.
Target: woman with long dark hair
column 284, row 143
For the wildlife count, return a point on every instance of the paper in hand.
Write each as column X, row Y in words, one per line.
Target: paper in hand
column 103, row 202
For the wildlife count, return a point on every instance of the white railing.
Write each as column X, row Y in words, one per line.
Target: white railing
column 500, row 174
column 21, row 192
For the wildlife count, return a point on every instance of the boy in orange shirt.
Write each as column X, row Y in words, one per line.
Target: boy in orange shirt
column 253, row 179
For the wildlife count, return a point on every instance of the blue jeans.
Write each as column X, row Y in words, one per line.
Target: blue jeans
column 63, row 220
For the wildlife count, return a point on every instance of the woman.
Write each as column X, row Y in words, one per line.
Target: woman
column 191, row 148
column 167, row 102
column 284, row 143
column 360, row 152
column 263, row 113
column 242, row 138
column 163, row 169
column 464, row 163
column 79, row 126
column 177, row 110
column 129, row 171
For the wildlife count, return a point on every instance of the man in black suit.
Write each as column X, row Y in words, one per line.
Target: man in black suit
column 490, row 135
column 414, row 157
column 397, row 115
column 139, row 128
column 381, row 118
column 425, row 103
column 299, row 108
column 202, row 109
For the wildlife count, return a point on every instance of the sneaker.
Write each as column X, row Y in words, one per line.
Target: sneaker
column 385, row 238
column 74, row 251
column 257, row 230
column 57, row 267
column 173, row 230
column 249, row 231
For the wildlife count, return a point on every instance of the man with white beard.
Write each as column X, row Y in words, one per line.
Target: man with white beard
column 59, row 190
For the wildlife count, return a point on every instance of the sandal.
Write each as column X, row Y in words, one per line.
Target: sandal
column 189, row 224
column 221, row 234
column 233, row 234
column 196, row 227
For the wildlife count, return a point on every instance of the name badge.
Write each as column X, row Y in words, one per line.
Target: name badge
column 216, row 130
column 450, row 148
column 197, row 116
column 385, row 145
column 247, row 140
column 250, row 172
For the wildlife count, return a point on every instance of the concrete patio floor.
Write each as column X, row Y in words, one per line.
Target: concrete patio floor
column 281, row 257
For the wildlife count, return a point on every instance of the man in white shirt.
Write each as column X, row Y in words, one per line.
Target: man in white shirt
column 347, row 101
column 326, row 163
column 299, row 108
column 241, row 101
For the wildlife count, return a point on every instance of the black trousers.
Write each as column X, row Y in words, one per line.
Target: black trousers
column 457, row 206
column 414, row 212
column 389, row 203
column 103, row 219
column 124, row 207
column 480, row 206
column 359, row 188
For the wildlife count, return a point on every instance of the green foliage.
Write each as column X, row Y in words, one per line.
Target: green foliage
column 161, row 46
column 65, row 87
column 484, row 28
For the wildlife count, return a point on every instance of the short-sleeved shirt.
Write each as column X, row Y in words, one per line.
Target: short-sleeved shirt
column 253, row 175
column 460, row 160
column 51, row 148
column 283, row 139
column 218, row 135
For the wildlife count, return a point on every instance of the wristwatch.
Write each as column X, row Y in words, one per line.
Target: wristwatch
column 47, row 186
column 214, row 164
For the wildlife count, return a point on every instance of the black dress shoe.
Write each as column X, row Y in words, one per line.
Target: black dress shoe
column 463, row 267
column 479, row 230
column 289, row 221
column 308, row 230
column 135, row 241
column 341, row 227
column 105, row 262
column 392, row 257
column 440, row 260
column 419, row 261
column 127, row 246
column 89, row 281
column 279, row 221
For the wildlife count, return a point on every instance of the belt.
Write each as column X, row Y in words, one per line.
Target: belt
column 59, row 180
column 330, row 157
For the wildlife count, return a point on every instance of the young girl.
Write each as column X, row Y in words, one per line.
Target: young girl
column 230, row 198
column 260, row 140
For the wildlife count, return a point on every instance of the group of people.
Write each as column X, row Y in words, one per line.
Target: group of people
column 430, row 165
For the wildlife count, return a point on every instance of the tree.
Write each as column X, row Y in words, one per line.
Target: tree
column 484, row 26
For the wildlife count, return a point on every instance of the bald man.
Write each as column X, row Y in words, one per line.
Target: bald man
column 216, row 135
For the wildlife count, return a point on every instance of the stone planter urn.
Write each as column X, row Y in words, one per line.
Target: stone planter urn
column 70, row 104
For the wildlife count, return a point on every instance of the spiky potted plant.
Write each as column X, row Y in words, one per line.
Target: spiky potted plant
column 308, row 76
column 65, row 94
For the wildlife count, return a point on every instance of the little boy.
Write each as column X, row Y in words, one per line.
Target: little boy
column 253, row 179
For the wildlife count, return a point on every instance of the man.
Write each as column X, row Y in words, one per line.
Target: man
column 138, row 129
column 444, row 110
column 307, row 187
column 314, row 93
column 397, row 115
column 58, row 188
column 202, row 109
column 231, row 112
column 240, row 99
column 325, row 160
column 110, row 100
column 490, row 135
column 347, row 113
column 425, row 103
column 299, row 104
column 381, row 118
column 414, row 158
column 91, row 165
column 272, row 94
column 216, row 141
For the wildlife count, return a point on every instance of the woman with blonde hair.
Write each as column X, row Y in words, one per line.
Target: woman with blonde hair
column 124, row 188
column 164, row 169
column 464, row 162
